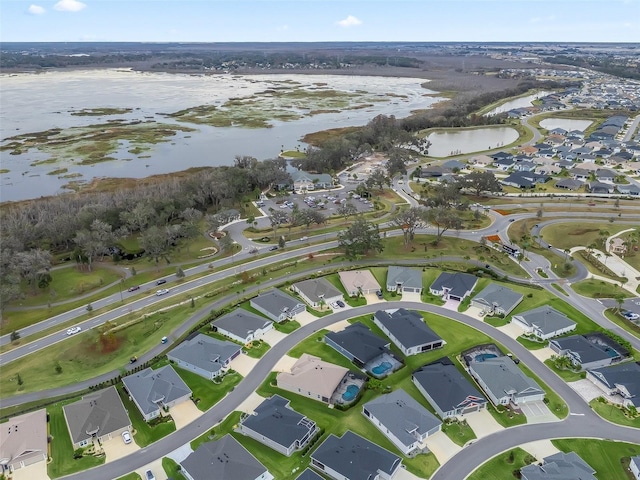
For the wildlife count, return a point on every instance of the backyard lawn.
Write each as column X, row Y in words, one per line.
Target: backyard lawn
column 604, row 456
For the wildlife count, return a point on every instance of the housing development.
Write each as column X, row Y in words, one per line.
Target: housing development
column 450, row 295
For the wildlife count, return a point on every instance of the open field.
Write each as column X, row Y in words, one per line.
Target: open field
column 599, row 289
column 568, row 235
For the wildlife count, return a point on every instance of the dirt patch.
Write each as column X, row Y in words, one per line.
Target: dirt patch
column 109, row 343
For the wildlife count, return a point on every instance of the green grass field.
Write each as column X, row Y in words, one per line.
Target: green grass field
column 614, row 414
column 144, row 433
column 131, row 476
column 572, row 234
column 604, row 456
column 459, row 432
column 593, row 288
column 207, row 391
column 502, row 466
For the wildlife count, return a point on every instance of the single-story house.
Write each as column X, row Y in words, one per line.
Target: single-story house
column 634, row 466
column 224, row 458
column 447, row 389
column 312, row 377
column 352, row 457
column 599, row 187
column 497, row 299
column 481, row 160
column 204, row 355
column 504, row 382
column 453, row 286
column 524, row 179
column 97, row 416
column 357, row 343
column 578, row 173
column 604, row 175
column 622, row 379
column 559, row 466
column 569, row 184
column 402, row 420
column 454, row 165
column 504, row 164
column 277, row 305
column 152, row 390
column 357, row 282
column 618, row 246
column 544, row 322
column 317, row 291
column 305, row 181
column 309, row 474
column 433, row 171
column 23, row 441
column 275, row 424
column 404, row 279
column 631, row 189
column 408, row 331
column 242, row 326
column 584, row 353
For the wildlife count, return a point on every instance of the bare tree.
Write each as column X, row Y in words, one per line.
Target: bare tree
column 444, row 219
column 277, row 218
column 409, row 221
column 347, row 209
column 29, row 264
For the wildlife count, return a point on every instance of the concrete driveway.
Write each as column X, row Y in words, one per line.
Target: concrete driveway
column 339, row 326
column 184, row 413
column 451, row 305
column 243, row 364
column 373, row 298
column 285, row 364
column 273, row 336
column 442, row 446
column 538, row 412
column 475, row 312
column 251, row 403
column 411, row 297
column 482, row 423
column 404, row 474
column 115, row 448
column 156, row 469
column 512, row 330
column 32, row 472
column 543, row 354
column 587, row 390
column 540, row 449
column 305, row 317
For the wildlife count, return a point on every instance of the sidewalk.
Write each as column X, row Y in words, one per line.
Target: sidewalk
column 617, row 266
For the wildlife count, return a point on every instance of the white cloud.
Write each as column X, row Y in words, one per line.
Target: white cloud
column 350, row 21
column 69, row 6
column 36, row 10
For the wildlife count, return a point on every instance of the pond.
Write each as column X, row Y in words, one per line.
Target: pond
column 521, row 102
column 446, row 144
column 567, row 124
column 101, row 101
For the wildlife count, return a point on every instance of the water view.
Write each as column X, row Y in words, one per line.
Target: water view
column 142, row 124
column 522, row 102
column 567, row 124
column 446, row 144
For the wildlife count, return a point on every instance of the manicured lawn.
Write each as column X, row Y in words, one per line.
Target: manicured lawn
column 334, row 279
column 131, row 476
column 314, row 345
column 560, row 289
column 572, row 234
column 144, row 433
column 604, row 456
column 496, row 321
column 505, row 417
column 502, row 466
column 613, row 413
column 208, row 391
column 219, row 431
column 599, row 289
column 459, row 432
column 256, row 349
column 429, row 276
column 62, row 461
column 287, row 326
column 171, row 468
column 566, row 375
column 616, row 318
column 552, row 399
column 531, row 344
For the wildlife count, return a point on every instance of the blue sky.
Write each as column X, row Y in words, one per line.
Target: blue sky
column 320, row 20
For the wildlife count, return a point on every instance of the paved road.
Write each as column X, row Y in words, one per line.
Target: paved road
column 266, row 364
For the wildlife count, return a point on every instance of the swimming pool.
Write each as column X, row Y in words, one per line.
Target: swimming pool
column 484, row 356
column 350, row 394
column 380, row 369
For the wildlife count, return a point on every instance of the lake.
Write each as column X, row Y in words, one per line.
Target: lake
column 39, row 102
column 521, row 102
column 567, row 124
column 446, row 144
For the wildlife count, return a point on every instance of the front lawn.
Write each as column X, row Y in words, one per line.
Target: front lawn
column 145, row 433
column 171, row 468
column 256, row 348
column 459, row 432
column 287, row 326
column 566, row 375
column 614, row 413
column 503, row 466
column 604, row 456
column 207, row 392
column 531, row 344
column 62, row 461
column 131, row 476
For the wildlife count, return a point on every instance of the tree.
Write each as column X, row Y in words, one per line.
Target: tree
column 347, row 209
column 281, row 242
column 481, row 181
column 444, row 219
column 95, row 241
column 226, row 244
column 179, row 273
column 397, row 162
column 378, row 178
column 214, row 222
column 409, row 221
column 619, row 298
column 276, row 218
column 360, row 238
column 446, row 195
column 30, row 263
column 154, row 242
column 15, row 336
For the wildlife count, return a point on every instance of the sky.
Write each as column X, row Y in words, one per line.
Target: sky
column 319, row 21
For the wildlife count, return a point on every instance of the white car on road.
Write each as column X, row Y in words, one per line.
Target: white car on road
column 73, row 330
column 162, row 291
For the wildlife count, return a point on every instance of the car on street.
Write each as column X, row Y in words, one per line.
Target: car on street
column 134, row 288
column 340, row 303
column 148, row 475
column 275, row 247
column 161, row 281
column 73, row 330
column 162, row 291
column 133, row 359
column 126, row 437
column 511, row 220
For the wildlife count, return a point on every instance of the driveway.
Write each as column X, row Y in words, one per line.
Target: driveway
column 243, row 364
column 475, row 312
column 250, row 403
column 285, row 364
column 273, row 336
column 32, row 472
column 115, row 449
column 411, row 297
column 185, row 413
column 538, row 412
column 156, row 469
column 588, row 390
column 373, row 298
column 540, row 449
column 339, row 326
column 305, row 317
column 442, row 446
column 451, row 305
column 512, row 330
column 404, row 474
column 482, row 423
column 543, row 354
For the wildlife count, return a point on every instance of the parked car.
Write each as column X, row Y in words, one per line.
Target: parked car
column 161, row 281
column 134, row 288
column 162, row 291
column 340, row 303
column 631, row 315
column 379, row 294
column 73, row 330
column 148, row 475
column 126, row 437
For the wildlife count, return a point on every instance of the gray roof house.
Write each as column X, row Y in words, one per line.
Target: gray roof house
column 447, row 389
column 504, row 382
column 275, row 424
column 407, row 330
column 97, row 416
column 544, row 322
column 358, row 344
column 23, row 441
column 242, row 325
column 560, row 466
column 404, row 279
column 583, row 353
column 309, row 474
column 277, row 305
column 152, row 390
column 317, row 291
column 453, row 286
column 497, row 299
column 634, row 466
column 569, row 184
column 622, row 379
column 204, row 355
column 353, row 457
column 224, row 458
column 402, row 420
